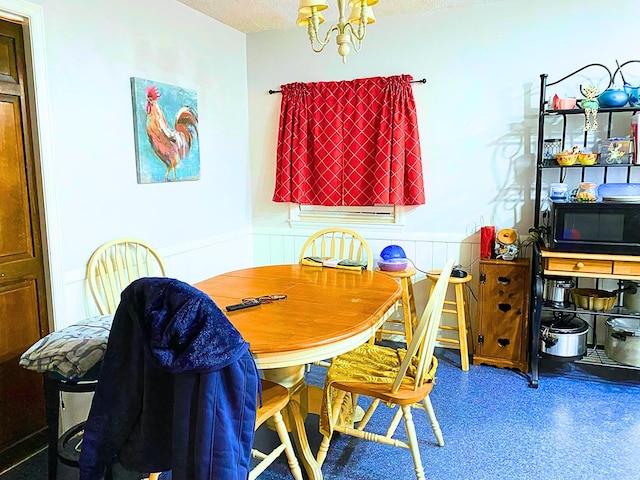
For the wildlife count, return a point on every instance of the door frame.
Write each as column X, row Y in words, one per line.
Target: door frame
column 31, row 16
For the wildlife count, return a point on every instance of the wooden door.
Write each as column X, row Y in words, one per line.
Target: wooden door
column 23, row 309
column 503, row 313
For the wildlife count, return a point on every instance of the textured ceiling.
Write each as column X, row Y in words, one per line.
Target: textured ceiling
column 251, row 16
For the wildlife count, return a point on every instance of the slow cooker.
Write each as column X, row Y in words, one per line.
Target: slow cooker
column 563, row 336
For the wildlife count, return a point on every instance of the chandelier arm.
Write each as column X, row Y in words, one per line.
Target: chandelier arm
column 350, row 30
column 313, row 38
column 357, row 43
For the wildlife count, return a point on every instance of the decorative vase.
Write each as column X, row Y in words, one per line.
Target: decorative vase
column 613, row 98
column 633, row 93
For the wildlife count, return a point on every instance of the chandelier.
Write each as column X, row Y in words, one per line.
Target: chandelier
column 350, row 32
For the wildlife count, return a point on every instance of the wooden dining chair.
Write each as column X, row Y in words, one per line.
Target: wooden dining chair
column 117, row 263
column 376, row 372
column 111, row 268
column 338, row 243
column 274, row 398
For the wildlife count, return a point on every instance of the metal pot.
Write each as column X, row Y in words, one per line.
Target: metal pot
column 622, row 342
column 564, row 336
column 556, row 291
column 631, row 297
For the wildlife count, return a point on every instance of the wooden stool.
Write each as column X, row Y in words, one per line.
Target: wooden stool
column 409, row 315
column 461, row 310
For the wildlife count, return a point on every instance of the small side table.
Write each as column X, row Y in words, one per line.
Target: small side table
column 409, row 315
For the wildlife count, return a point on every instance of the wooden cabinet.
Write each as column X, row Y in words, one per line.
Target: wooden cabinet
column 503, row 313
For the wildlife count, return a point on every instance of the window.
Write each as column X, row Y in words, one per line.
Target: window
column 376, row 216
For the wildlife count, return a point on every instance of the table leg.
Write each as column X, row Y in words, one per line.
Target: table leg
column 296, row 423
column 303, row 399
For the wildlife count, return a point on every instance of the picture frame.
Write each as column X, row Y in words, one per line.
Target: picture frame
column 166, row 132
column 615, row 151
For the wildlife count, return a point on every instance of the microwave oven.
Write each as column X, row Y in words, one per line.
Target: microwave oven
column 594, row 227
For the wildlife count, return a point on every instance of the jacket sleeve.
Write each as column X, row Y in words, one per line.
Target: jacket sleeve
column 117, row 402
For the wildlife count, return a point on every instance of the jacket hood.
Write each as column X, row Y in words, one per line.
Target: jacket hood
column 186, row 329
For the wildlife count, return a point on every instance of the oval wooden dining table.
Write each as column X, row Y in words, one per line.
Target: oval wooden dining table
column 328, row 311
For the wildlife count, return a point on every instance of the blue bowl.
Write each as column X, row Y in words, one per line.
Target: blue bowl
column 393, row 264
column 392, row 251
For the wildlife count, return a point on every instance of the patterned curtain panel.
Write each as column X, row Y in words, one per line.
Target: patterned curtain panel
column 350, row 143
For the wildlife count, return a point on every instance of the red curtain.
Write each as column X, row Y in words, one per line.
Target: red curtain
column 351, row 143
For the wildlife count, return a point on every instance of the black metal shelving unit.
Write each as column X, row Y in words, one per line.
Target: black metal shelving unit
column 545, row 113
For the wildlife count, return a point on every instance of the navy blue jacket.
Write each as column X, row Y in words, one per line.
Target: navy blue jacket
column 177, row 388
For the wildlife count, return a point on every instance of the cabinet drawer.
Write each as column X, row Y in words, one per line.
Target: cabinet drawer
column 626, row 268
column 582, row 266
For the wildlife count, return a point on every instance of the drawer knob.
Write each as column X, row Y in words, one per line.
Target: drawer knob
column 579, row 266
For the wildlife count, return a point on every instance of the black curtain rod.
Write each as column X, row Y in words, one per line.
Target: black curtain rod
column 423, row 80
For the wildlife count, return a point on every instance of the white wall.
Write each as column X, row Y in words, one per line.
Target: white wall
column 477, row 116
column 478, row 111
column 93, row 48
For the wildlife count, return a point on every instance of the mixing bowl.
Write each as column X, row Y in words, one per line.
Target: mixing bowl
column 393, row 264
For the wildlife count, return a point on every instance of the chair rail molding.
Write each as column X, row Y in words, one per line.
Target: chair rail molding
column 190, row 262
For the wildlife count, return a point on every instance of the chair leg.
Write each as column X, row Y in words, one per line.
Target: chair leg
column 413, row 441
column 394, row 423
column 435, row 426
column 322, row 450
column 324, row 445
column 281, row 429
column 462, row 327
column 52, row 402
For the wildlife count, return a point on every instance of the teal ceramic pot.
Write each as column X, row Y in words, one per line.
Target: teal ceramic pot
column 613, row 98
column 634, row 95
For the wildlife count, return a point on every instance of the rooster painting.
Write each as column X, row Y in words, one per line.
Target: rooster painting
column 174, row 144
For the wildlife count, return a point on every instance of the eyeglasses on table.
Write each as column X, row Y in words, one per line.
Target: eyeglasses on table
column 255, row 301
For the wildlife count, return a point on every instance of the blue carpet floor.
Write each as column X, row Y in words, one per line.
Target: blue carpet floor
column 583, row 422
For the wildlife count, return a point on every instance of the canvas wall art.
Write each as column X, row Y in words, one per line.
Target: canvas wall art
column 166, row 132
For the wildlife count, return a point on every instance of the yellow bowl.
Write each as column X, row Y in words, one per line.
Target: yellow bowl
column 566, row 159
column 587, row 158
